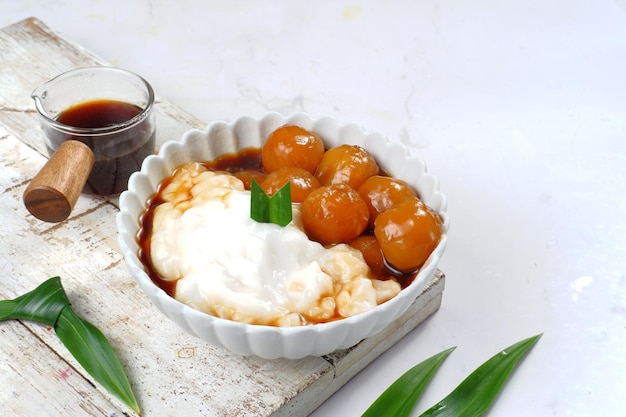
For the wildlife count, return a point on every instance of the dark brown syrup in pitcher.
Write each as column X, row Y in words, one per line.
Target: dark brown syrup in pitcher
column 98, row 113
column 117, row 154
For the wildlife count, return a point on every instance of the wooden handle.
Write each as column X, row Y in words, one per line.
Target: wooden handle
column 52, row 193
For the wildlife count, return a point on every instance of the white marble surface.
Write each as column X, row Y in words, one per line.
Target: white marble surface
column 518, row 107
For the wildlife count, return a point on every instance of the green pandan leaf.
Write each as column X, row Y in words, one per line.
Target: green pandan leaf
column 477, row 392
column 95, row 354
column 259, row 203
column 42, row 305
column 399, row 399
column 280, row 206
column 275, row 209
column 48, row 304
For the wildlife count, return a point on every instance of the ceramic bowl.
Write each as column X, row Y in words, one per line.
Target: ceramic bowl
column 267, row 341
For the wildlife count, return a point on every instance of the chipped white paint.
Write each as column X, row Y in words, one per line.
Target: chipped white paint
column 172, row 373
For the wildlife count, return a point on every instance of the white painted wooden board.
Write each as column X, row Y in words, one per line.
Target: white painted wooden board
column 172, row 373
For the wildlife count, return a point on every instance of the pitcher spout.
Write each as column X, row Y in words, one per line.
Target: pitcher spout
column 39, row 96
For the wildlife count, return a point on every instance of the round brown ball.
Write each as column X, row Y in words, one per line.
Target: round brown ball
column 292, row 146
column 334, row 213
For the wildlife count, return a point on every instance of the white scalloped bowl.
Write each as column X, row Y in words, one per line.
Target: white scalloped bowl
column 267, row 341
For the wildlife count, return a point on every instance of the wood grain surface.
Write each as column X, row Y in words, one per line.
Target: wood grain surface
column 172, row 373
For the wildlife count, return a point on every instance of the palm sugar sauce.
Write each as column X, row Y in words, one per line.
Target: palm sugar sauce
column 247, row 162
column 116, row 156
